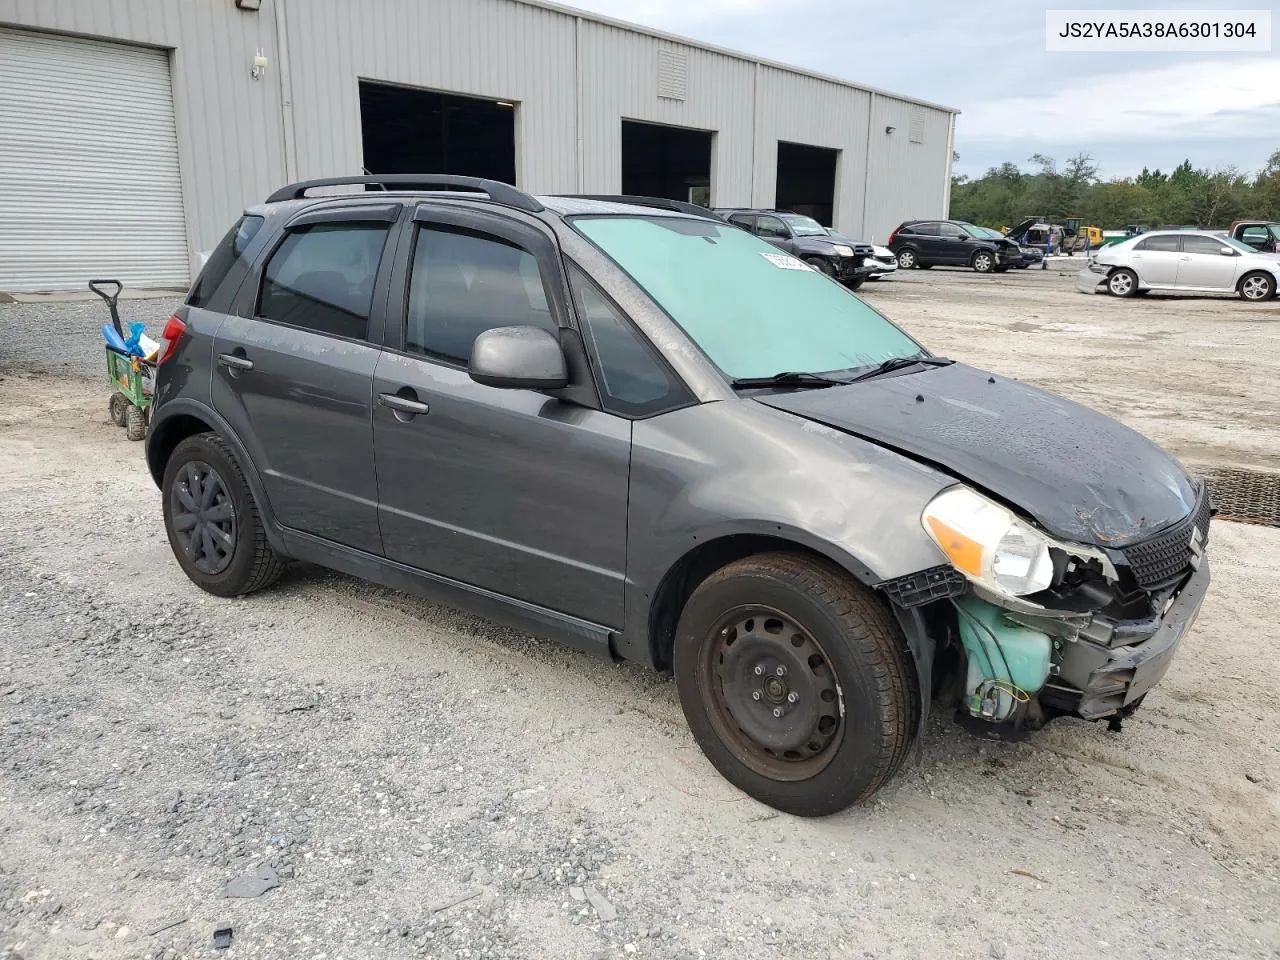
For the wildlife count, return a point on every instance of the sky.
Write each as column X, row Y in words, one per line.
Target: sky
column 1127, row 110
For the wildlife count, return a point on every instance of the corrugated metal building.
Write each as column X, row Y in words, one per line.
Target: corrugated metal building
column 133, row 132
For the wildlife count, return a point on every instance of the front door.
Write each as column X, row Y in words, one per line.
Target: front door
column 776, row 232
column 1207, row 264
column 1156, row 259
column 953, row 244
column 294, row 378
column 513, row 491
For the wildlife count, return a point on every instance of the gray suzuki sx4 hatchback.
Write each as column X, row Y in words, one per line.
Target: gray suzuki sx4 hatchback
column 648, row 433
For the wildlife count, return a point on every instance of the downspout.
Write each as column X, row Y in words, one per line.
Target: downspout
column 866, row 171
column 755, row 132
column 286, row 95
column 577, row 87
column 951, row 152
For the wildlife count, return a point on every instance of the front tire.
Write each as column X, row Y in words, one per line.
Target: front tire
column 822, row 266
column 1122, row 283
column 1256, row 287
column 214, row 527
column 796, row 683
column 983, row 262
column 116, row 408
column 907, row 259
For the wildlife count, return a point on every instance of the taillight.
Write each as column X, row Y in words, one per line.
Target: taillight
column 894, row 233
column 173, row 332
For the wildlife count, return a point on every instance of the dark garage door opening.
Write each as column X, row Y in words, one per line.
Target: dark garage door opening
column 420, row 131
column 670, row 162
column 807, row 180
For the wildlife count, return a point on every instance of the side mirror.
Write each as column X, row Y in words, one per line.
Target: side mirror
column 518, row 358
column 1227, row 251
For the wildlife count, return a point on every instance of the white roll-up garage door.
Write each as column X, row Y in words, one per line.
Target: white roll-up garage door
column 89, row 183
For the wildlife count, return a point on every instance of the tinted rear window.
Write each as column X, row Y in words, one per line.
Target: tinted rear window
column 225, row 256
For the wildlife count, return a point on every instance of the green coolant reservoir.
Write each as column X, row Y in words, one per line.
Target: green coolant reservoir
column 1007, row 662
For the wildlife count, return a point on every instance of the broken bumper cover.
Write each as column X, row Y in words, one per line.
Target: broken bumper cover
column 1096, row 680
column 1087, row 281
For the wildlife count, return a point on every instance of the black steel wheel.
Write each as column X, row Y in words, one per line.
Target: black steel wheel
column 214, row 526
column 772, row 691
column 203, row 517
column 796, row 682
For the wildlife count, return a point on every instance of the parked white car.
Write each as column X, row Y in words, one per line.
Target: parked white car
column 1182, row 261
column 886, row 262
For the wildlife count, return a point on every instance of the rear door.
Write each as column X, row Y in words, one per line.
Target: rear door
column 1155, row 259
column 513, row 491
column 1207, row 264
column 924, row 237
column 294, row 371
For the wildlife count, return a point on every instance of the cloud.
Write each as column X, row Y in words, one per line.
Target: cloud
column 1197, row 101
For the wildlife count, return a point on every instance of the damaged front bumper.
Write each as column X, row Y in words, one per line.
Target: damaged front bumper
column 1109, row 666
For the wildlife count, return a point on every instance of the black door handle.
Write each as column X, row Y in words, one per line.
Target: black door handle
column 235, row 362
column 403, row 405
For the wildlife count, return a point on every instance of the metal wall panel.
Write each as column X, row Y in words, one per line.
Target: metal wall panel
column 907, row 180
column 620, row 81
column 230, row 147
column 801, row 109
column 88, row 163
column 574, row 79
column 487, row 48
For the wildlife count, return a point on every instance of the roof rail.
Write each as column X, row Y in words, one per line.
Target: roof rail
column 497, row 191
column 659, row 203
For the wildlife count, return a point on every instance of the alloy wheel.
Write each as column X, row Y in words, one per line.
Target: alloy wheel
column 1255, row 288
column 1120, row 284
column 203, row 517
column 906, row 259
column 773, row 693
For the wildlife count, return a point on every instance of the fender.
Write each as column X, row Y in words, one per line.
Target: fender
column 743, row 469
column 185, row 406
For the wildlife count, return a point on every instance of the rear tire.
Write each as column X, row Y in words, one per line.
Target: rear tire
column 214, row 527
column 1122, row 283
column 135, row 422
column 796, row 683
column 907, row 259
column 1256, row 287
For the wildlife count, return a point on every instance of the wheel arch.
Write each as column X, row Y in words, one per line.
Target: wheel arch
column 1260, row 272
column 182, row 418
column 683, row 576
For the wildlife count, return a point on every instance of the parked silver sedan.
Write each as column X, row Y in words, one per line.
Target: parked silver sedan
column 1182, row 261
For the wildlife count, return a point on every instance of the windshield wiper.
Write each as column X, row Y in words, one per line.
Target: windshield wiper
column 789, row 379
column 899, row 363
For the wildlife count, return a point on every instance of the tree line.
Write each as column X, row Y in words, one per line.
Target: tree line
column 1186, row 196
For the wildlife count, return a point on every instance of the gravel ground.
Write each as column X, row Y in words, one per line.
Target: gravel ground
column 420, row 783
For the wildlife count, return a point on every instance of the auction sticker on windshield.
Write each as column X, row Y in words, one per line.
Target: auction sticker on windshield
column 786, row 262
column 1223, row 31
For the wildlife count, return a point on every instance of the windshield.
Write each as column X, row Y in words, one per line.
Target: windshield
column 980, row 232
column 753, row 310
column 804, row 226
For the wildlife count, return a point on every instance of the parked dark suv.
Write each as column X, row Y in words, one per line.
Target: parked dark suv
column 805, row 238
column 952, row 243
column 653, row 436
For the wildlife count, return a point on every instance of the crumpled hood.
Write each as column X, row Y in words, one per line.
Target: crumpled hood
column 1081, row 475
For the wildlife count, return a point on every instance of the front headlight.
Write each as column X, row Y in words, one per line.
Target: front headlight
column 842, row 251
column 987, row 543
